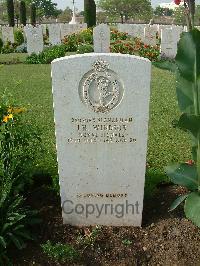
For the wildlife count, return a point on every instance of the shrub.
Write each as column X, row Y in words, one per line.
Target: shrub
column 117, row 35
column 85, row 48
column 73, row 41
column 60, row 252
column 19, row 37
column 150, row 52
column 21, row 48
column 122, row 47
column 47, row 56
column 8, row 48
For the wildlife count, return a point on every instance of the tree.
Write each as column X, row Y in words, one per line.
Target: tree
column 22, row 13
column 179, row 15
column 47, row 8
column 126, row 8
column 160, row 11
column 3, row 11
column 65, row 15
column 33, row 14
column 90, row 12
column 101, row 17
column 11, row 11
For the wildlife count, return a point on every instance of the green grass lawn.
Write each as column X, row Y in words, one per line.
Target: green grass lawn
column 12, row 58
column 31, row 86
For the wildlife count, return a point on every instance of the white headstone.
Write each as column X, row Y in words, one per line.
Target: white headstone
column 34, row 36
column 7, row 34
column 139, row 31
column 83, row 26
column 150, row 35
column 65, row 30
column 54, row 34
column 68, row 29
column 101, row 37
column 134, row 30
column 169, row 41
column 101, row 109
column 162, row 27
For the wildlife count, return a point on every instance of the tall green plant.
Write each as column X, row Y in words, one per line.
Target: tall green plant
column 187, row 69
column 33, row 14
column 188, row 94
column 10, row 11
column 90, row 13
column 23, row 13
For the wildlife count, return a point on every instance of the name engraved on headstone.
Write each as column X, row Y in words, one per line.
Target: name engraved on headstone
column 95, row 130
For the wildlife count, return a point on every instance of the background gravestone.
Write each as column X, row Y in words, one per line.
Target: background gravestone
column 65, row 30
column 7, row 34
column 101, row 108
column 150, row 35
column 169, row 42
column 34, row 36
column 101, row 37
column 54, row 34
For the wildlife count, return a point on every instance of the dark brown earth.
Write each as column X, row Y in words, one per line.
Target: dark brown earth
column 165, row 238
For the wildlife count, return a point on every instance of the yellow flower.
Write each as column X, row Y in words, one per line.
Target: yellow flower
column 7, row 117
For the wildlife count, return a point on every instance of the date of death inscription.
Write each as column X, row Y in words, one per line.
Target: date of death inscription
column 101, row 130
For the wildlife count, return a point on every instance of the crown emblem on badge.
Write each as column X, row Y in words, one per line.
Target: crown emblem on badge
column 100, row 66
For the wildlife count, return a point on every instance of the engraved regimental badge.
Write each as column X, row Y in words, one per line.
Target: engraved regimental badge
column 100, row 88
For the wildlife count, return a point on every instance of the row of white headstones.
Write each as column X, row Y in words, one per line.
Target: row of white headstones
column 169, row 35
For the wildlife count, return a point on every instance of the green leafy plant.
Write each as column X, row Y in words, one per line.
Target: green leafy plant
column 19, row 37
column 47, row 56
column 117, row 35
column 89, row 239
column 16, row 157
column 72, row 41
column 126, row 242
column 8, row 48
column 187, row 69
column 85, row 48
column 19, row 143
column 150, row 52
column 123, row 47
column 15, row 221
column 60, row 252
